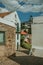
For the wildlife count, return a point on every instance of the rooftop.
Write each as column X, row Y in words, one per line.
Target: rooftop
column 7, row 22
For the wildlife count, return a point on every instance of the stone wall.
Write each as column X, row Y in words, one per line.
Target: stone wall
column 9, row 47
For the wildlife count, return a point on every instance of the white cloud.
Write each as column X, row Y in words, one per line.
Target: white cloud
column 37, row 8
column 13, row 5
column 42, row 14
column 3, row 10
column 30, row 8
column 34, row 1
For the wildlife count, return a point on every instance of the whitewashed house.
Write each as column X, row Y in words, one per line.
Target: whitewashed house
column 13, row 17
column 37, row 36
column 7, row 38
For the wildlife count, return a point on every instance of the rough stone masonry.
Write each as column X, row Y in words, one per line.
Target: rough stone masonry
column 8, row 48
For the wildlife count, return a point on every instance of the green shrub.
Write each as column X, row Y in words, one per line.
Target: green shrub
column 26, row 45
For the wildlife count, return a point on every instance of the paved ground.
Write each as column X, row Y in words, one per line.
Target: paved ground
column 22, row 58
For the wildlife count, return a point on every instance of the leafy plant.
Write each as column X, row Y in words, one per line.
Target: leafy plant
column 26, row 45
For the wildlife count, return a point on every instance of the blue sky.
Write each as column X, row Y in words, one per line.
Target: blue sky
column 1, row 5
column 24, row 16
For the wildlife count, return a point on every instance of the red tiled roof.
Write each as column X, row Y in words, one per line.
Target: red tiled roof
column 4, row 14
column 23, row 33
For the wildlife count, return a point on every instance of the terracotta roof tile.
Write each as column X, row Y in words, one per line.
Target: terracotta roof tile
column 4, row 14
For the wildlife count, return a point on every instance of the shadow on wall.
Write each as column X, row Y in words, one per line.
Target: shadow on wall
column 27, row 60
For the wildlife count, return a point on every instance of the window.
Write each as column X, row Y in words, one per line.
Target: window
column 15, row 15
column 2, row 37
column 17, row 36
column 17, row 45
column 17, row 27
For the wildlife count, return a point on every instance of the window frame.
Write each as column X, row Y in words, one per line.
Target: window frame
column 17, row 36
column 3, row 42
column 17, row 27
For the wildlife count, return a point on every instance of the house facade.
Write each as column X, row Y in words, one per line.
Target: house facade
column 7, row 37
column 13, row 17
column 37, row 36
